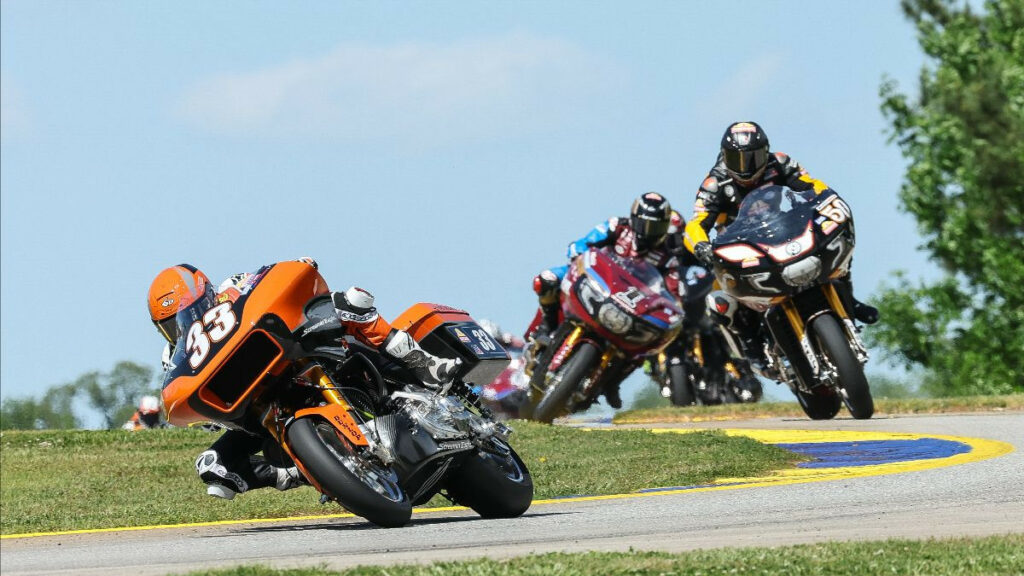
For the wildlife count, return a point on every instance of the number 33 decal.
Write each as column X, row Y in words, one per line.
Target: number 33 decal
column 220, row 320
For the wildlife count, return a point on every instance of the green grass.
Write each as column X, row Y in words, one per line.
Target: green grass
column 69, row 480
column 994, row 555
column 883, row 406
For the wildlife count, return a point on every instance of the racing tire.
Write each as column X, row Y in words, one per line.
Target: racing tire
column 572, row 372
column 681, row 391
column 373, row 492
column 492, row 485
column 819, row 406
column 832, row 341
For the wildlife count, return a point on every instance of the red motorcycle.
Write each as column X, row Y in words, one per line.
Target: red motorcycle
column 616, row 312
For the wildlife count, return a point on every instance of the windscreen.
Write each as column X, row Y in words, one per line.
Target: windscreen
column 642, row 271
column 770, row 213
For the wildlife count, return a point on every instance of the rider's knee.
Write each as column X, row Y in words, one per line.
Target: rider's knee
column 546, row 285
column 723, row 307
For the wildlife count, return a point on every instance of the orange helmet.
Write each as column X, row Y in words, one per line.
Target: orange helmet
column 173, row 289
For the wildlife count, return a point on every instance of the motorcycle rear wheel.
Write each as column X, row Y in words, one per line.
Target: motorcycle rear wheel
column 361, row 486
column 494, row 487
column 572, row 372
column 833, row 344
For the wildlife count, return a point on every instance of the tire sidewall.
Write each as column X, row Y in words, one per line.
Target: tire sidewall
column 338, row 482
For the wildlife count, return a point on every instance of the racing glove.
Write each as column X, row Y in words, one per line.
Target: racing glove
column 704, row 253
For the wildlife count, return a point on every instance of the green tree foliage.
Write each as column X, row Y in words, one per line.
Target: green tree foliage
column 115, row 395
column 964, row 138
column 54, row 411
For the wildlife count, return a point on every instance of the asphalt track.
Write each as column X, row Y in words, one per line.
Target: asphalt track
column 910, row 477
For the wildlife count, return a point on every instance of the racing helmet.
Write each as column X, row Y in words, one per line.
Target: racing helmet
column 149, row 405
column 175, row 288
column 650, row 218
column 745, row 152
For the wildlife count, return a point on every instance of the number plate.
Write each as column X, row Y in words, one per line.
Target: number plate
column 477, row 340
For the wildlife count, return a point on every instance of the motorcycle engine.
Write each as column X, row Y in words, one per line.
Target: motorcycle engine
column 446, row 417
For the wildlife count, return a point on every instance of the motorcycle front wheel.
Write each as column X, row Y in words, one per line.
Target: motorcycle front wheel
column 360, row 485
column 834, row 345
column 571, row 373
column 679, row 385
column 494, row 484
column 823, row 405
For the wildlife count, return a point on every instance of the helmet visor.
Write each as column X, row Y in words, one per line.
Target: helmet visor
column 745, row 163
column 168, row 328
column 650, row 231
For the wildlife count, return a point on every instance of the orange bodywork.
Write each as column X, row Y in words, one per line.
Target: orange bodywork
column 420, row 319
column 284, row 291
column 340, row 418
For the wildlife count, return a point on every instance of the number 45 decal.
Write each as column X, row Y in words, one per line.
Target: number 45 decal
column 217, row 323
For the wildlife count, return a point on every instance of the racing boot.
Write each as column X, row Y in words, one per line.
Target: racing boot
column 546, row 328
column 865, row 313
column 288, row 478
column 611, row 395
column 433, row 371
column 220, row 482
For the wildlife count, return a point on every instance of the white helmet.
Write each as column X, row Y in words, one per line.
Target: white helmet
column 149, row 405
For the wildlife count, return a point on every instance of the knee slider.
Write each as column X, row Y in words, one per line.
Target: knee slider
column 722, row 306
column 546, row 286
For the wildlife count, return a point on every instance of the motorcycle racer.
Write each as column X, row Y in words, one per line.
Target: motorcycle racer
column 745, row 163
column 644, row 235
column 231, row 465
column 146, row 416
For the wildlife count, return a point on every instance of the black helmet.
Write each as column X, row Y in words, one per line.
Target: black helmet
column 745, row 151
column 650, row 218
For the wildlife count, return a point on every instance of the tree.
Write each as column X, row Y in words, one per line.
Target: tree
column 964, row 138
column 115, row 395
column 53, row 411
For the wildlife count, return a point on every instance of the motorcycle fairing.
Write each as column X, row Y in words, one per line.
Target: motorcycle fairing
column 269, row 306
column 641, row 295
column 768, row 256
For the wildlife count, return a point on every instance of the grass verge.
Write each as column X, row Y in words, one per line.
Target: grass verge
column 883, row 406
column 72, row 480
column 961, row 557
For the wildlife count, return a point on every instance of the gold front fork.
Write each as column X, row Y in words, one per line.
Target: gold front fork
column 795, row 321
column 834, row 300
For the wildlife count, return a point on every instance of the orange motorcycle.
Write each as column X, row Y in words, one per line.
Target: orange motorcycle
column 275, row 361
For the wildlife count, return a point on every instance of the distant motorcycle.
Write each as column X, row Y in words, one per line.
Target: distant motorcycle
column 704, row 364
column 617, row 312
column 509, row 391
column 780, row 257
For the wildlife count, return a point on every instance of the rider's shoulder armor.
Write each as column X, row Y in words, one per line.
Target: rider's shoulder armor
column 718, row 190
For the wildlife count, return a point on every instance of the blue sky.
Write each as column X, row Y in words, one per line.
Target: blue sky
column 426, row 151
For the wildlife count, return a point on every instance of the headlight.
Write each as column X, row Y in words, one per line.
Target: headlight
column 590, row 294
column 614, row 319
column 738, row 253
column 803, row 272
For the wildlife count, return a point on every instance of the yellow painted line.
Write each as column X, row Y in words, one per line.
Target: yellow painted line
column 981, row 449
